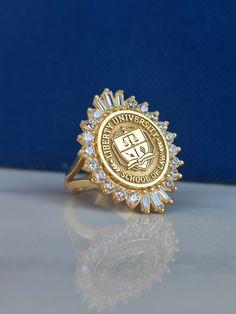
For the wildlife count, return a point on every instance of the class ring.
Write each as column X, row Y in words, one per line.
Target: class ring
column 127, row 152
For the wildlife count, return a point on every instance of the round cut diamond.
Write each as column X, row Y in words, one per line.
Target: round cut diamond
column 120, row 194
column 169, row 136
column 173, row 149
column 162, row 126
column 174, row 161
column 133, row 198
column 89, row 150
column 144, row 107
column 90, row 125
column 154, row 116
column 92, row 163
column 168, row 185
column 173, row 172
column 96, row 114
column 88, row 137
column 99, row 176
column 108, row 185
column 132, row 103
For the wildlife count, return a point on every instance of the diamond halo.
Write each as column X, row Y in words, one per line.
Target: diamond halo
column 153, row 198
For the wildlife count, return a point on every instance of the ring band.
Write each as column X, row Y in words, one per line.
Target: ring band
column 127, row 152
column 78, row 184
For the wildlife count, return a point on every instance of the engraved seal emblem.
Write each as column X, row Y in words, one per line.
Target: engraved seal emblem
column 132, row 149
column 127, row 152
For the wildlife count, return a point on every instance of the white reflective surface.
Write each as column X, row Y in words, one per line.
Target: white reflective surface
column 64, row 253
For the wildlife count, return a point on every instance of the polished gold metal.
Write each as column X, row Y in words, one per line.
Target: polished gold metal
column 127, row 152
column 138, row 156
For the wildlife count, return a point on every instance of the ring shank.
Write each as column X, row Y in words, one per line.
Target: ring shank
column 81, row 183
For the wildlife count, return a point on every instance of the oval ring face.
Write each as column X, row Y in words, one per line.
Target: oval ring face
column 132, row 149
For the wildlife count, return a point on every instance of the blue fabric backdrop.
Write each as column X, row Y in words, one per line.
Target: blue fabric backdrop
column 178, row 55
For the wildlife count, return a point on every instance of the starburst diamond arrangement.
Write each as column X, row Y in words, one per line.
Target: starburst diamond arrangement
column 153, row 198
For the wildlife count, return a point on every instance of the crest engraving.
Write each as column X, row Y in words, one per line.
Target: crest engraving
column 133, row 149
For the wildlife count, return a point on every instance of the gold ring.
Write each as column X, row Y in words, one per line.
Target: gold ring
column 127, row 152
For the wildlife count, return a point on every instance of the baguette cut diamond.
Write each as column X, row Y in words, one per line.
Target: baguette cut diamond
column 108, row 98
column 120, row 98
column 156, row 200
column 145, row 202
column 99, row 103
column 163, row 195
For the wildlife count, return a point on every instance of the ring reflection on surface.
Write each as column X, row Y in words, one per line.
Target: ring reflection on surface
column 121, row 260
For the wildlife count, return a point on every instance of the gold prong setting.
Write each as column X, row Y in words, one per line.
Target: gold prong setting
column 153, row 198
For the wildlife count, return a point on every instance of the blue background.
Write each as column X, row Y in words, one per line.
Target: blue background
column 178, row 55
